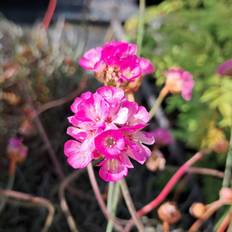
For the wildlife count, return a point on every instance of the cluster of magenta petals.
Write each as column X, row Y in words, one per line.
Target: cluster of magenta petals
column 16, row 146
column 181, row 81
column 107, row 127
column 119, row 56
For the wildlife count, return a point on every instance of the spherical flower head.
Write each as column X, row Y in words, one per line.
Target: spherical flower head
column 168, row 212
column 16, row 149
column 107, row 127
column 225, row 69
column 163, row 137
column 116, row 64
column 180, row 81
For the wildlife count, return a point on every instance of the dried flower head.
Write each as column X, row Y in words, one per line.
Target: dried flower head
column 117, row 64
column 168, row 212
column 181, row 81
column 156, row 161
column 107, row 127
column 225, row 69
column 197, row 209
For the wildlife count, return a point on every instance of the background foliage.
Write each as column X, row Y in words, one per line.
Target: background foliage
column 195, row 36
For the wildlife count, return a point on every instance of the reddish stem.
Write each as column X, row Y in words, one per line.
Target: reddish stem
column 49, row 13
column 167, row 189
column 225, row 223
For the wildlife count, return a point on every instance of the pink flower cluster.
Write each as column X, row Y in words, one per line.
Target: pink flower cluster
column 17, row 148
column 179, row 80
column 162, row 136
column 116, row 63
column 107, row 127
column 225, row 69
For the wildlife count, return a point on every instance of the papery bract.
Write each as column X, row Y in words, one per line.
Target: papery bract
column 179, row 80
column 107, row 127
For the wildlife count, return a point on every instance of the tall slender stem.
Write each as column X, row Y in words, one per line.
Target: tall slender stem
column 162, row 95
column 49, row 13
column 112, row 201
column 140, row 25
column 63, row 203
column 227, row 181
column 29, row 94
column 99, row 198
column 130, row 205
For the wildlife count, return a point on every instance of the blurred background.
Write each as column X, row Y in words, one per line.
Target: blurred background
column 40, row 76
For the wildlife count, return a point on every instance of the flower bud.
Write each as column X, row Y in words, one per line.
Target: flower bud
column 169, row 213
column 16, row 150
column 179, row 80
column 197, row 209
column 221, row 146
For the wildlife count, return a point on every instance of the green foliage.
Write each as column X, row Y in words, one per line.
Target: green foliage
column 193, row 35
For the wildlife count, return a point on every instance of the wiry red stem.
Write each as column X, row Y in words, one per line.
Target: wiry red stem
column 167, row 189
column 49, row 13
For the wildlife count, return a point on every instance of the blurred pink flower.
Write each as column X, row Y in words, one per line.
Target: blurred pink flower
column 15, row 147
column 106, row 126
column 116, row 63
column 178, row 80
column 225, row 69
column 162, row 136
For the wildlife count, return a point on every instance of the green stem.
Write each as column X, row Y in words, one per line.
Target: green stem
column 162, row 95
column 112, row 202
column 130, row 205
column 109, row 206
column 140, row 25
column 227, row 181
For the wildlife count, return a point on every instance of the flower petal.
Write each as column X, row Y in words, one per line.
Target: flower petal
column 138, row 152
column 78, row 155
column 112, row 170
column 90, row 58
column 145, row 137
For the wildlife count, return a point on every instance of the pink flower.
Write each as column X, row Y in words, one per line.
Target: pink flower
column 178, row 80
column 107, row 127
column 15, row 148
column 225, row 69
column 162, row 136
column 116, row 63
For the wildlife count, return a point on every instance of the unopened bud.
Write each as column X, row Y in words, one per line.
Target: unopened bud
column 197, row 209
column 169, row 213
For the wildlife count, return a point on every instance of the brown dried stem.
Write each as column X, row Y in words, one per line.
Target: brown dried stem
column 35, row 201
column 62, row 101
column 201, row 171
column 63, row 203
